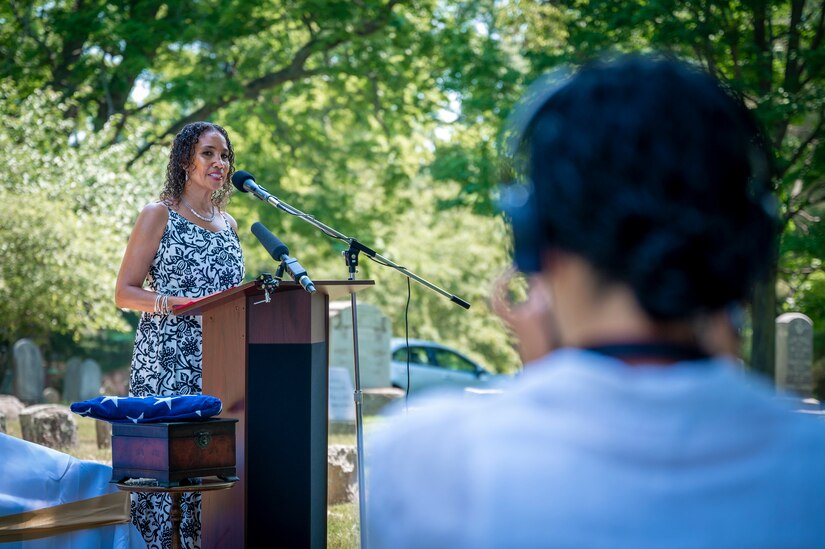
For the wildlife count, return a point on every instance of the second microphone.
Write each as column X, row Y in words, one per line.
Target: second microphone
column 279, row 252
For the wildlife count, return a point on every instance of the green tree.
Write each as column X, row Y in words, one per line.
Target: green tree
column 771, row 53
column 333, row 105
column 62, row 230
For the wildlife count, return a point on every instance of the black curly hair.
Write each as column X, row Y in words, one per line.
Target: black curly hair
column 658, row 176
column 183, row 150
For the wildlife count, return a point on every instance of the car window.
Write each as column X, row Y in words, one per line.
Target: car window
column 418, row 355
column 452, row 361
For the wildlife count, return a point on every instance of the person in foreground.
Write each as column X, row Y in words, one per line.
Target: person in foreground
column 645, row 217
column 185, row 246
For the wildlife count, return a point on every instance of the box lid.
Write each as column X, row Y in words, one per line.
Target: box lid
column 174, row 429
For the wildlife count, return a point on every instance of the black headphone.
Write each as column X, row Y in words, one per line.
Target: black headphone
column 517, row 200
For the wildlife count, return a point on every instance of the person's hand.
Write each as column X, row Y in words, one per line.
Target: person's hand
column 532, row 321
column 718, row 334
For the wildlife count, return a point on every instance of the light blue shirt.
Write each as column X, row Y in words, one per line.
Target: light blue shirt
column 584, row 451
column 34, row 477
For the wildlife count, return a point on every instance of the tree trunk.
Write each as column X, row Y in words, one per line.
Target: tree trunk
column 763, row 345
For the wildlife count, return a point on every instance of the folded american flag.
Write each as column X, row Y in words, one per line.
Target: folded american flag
column 150, row 409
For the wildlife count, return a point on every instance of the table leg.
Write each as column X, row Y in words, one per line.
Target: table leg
column 175, row 515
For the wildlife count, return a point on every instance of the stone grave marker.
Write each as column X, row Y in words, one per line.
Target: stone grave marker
column 51, row 425
column 29, row 374
column 103, row 432
column 374, row 334
column 25, row 418
column 50, row 396
column 794, row 353
column 90, row 380
column 342, row 474
column 2, row 422
column 71, row 380
column 10, row 406
column 341, row 399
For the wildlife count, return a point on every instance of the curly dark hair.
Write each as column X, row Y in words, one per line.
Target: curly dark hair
column 659, row 177
column 183, row 150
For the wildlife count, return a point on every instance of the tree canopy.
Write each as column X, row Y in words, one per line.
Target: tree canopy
column 772, row 55
column 382, row 118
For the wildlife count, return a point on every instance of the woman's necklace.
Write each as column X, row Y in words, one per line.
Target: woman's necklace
column 196, row 214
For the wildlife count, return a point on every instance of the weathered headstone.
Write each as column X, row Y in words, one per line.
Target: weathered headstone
column 10, row 406
column 374, row 334
column 341, row 401
column 50, row 425
column 342, row 474
column 375, row 400
column 116, row 382
column 50, row 395
column 25, row 419
column 794, row 353
column 90, row 378
column 29, row 375
column 103, row 431
column 2, row 422
column 71, row 380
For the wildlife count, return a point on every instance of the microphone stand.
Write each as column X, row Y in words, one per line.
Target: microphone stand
column 351, row 259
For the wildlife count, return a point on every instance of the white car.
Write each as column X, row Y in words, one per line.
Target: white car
column 434, row 365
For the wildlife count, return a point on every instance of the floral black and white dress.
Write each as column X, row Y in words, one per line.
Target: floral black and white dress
column 193, row 262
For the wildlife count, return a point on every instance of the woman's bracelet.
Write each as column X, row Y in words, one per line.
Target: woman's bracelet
column 162, row 304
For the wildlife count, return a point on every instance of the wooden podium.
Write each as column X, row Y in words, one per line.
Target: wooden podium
column 268, row 363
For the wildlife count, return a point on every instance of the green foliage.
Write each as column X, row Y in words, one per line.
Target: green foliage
column 770, row 53
column 803, row 279
column 461, row 253
column 67, row 210
column 333, row 105
column 454, row 249
column 379, row 118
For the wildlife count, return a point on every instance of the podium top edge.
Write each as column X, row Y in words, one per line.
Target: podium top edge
column 332, row 288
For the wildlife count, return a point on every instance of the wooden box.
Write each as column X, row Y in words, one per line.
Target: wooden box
column 173, row 453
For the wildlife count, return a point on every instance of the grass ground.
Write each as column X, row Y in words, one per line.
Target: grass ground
column 342, row 519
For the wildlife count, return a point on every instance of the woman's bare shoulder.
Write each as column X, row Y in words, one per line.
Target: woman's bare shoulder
column 153, row 217
column 155, row 211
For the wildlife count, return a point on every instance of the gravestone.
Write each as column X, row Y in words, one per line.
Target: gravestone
column 794, row 353
column 116, row 382
column 2, row 422
column 103, row 431
column 374, row 334
column 90, row 380
column 50, row 425
column 50, row 396
column 25, row 419
column 71, row 380
column 375, row 401
column 10, row 406
column 341, row 401
column 342, row 474
column 29, row 374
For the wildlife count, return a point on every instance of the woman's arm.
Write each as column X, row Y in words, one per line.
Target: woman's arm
column 140, row 251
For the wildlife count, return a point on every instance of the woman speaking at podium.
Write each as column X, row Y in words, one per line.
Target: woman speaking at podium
column 182, row 247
